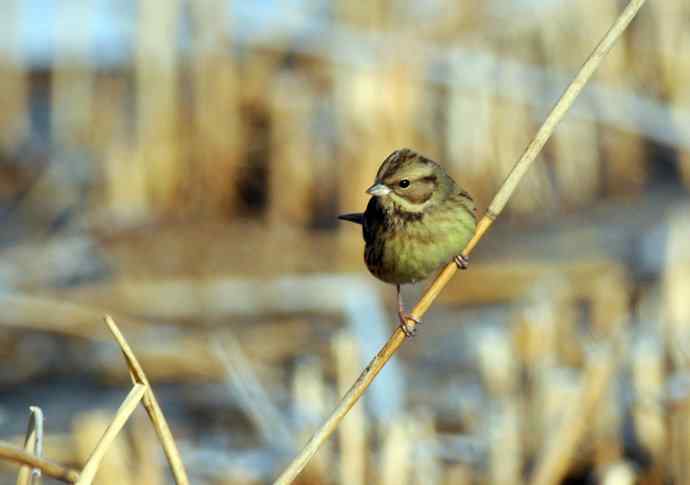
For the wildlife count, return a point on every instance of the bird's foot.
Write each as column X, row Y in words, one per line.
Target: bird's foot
column 408, row 329
column 461, row 261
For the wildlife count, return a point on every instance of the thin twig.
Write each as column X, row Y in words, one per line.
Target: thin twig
column 17, row 455
column 151, row 405
column 496, row 207
column 33, row 443
column 123, row 413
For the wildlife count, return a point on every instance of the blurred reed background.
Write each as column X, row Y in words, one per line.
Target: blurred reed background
column 179, row 164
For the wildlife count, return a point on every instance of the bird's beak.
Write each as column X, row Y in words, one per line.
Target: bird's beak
column 378, row 190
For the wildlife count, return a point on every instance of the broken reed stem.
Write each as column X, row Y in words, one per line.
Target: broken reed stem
column 17, row 455
column 33, row 443
column 151, row 405
column 498, row 203
column 123, row 413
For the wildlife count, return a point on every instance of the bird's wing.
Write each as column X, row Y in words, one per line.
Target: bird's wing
column 356, row 217
column 467, row 201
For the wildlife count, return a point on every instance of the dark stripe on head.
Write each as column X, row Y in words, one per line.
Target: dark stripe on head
column 394, row 161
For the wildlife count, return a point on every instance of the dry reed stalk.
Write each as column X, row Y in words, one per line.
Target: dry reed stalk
column 291, row 178
column 676, row 287
column 352, row 436
column 671, row 54
column 14, row 85
column 113, row 468
column 218, row 138
column 186, row 357
column 569, row 344
column 679, row 439
column 311, row 398
column 500, row 375
column 109, row 122
column 562, row 448
column 23, row 311
column 125, row 191
column 468, row 143
column 158, row 143
column 13, row 454
column 453, row 22
column 33, row 443
column 72, row 79
column 397, row 452
column 497, row 365
column 151, row 405
column 251, row 395
column 625, row 158
column 123, row 194
column 535, row 346
column 552, row 390
column 358, row 97
column 575, row 148
column 505, row 453
column 494, row 210
column 644, row 70
column 406, row 107
column 363, row 99
column 648, row 374
column 259, row 70
column 58, row 446
column 577, row 164
column 459, row 474
column 427, row 466
column 47, row 262
column 619, row 473
column 368, row 17
column 512, row 126
column 609, row 307
column 146, row 453
column 674, row 39
column 191, row 298
column 128, row 406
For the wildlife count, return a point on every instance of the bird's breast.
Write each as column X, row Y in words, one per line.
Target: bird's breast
column 406, row 250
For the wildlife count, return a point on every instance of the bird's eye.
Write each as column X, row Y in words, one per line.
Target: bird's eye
column 404, row 183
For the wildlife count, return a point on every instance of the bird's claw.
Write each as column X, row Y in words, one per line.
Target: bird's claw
column 408, row 329
column 461, row 261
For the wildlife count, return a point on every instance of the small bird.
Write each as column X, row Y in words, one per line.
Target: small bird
column 417, row 220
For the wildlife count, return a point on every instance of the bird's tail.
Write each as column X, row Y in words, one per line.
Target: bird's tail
column 356, row 217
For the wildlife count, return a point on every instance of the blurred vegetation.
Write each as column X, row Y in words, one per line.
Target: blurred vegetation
column 179, row 164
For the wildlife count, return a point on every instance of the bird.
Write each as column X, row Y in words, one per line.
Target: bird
column 417, row 220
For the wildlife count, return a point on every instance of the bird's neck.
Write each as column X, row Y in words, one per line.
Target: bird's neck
column 397, row 204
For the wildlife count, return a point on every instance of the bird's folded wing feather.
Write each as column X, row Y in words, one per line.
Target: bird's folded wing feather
column 356, row 217
column 468, row 202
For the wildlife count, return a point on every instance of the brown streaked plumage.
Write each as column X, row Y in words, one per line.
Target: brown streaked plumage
column 417, row 220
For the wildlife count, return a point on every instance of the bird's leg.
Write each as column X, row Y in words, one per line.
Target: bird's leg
column 407, row 329
column 461, row 261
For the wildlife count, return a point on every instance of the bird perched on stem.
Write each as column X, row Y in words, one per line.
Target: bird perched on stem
column 417, row 220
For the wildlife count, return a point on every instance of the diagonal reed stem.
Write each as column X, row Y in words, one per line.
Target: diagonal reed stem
column 126, row 409
column 497, row 205
column 17, row 455
column 153, row 409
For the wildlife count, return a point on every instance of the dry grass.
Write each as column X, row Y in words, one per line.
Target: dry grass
column 141, row 392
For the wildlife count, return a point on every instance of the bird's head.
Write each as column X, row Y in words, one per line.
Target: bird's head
column 411, row 181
